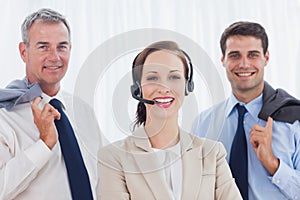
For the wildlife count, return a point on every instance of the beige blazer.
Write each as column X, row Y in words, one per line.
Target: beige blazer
column 129, row 169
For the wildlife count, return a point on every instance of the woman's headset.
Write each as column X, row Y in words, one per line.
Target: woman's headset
column 136, row 89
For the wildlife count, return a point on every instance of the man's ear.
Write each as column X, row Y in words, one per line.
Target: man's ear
column 267, row 56
column 222, row 60
column 23, row 51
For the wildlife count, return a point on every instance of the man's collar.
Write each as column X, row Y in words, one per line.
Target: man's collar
column 252, row 106
column 58, row 96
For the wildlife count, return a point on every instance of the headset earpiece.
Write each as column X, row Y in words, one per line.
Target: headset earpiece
column 136, row 89
column 189, row 85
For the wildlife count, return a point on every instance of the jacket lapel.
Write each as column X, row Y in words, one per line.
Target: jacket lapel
column 150, row 165
column 192, row 167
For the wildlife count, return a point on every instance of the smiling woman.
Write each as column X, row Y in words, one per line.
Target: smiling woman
column 160, row 160
column 160, row 73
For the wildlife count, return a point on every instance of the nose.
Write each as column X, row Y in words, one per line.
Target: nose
column 244, row 63
column 163, row 88
column 53, row 55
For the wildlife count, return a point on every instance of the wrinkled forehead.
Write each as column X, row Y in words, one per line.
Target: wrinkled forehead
column 46, row 31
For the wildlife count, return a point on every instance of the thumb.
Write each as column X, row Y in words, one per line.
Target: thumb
column 269, row 124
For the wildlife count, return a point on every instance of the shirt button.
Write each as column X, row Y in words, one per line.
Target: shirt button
column 296, row 197
column 277, row 181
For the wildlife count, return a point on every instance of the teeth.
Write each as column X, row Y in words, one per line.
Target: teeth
column 244, row 74
column 53, row 68
column 164, row 100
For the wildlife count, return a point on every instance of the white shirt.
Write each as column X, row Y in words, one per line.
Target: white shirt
column 28, row 168
column 172, row 169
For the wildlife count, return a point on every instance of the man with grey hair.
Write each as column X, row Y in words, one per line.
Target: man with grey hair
column 34, row 160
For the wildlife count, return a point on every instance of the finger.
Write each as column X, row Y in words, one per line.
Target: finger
column 49, row 113
column 254, row 143
column 56, row 115
column 251, row 132
column 258, row 133
column 37, row 100
column 259, row 128
column 269, row 125
column 47, row 109
column 34, row 106
column 255, row 140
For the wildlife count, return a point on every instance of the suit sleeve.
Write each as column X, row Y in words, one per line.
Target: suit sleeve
column 112, row 183
column 225, row 184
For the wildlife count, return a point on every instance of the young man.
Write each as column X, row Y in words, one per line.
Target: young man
column 272, row 148
column 32, row 162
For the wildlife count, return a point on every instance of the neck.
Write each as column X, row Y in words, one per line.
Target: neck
column 163, row 133
column 246, row 96
column 50, row 90
column 47, row 88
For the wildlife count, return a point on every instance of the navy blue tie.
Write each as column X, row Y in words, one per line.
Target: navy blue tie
column 238, row 161
column 77, row 174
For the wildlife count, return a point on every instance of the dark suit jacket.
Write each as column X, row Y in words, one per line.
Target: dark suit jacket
column 280, row 105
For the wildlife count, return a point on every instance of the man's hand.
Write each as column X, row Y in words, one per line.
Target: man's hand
column 261, row 141
column 44, row 120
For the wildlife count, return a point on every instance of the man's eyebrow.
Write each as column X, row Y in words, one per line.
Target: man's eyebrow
column 254, row 51
column 64, row 42
column 232, row 52
column 41, row 42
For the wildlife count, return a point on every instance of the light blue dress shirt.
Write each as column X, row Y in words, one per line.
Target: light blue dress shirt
column 220, row 123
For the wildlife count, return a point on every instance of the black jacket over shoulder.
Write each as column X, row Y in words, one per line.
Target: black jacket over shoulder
column 279, row 105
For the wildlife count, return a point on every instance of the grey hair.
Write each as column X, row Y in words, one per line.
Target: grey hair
column 44, row 15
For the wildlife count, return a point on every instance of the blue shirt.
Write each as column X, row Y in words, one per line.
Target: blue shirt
column 220, row 123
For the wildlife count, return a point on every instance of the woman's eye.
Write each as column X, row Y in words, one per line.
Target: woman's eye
column 152, row 78
column 175, row 77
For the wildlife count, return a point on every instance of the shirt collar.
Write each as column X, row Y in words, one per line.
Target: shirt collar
column 253, row 107
column 176, row 149
column 58, row 96
column 142, row 140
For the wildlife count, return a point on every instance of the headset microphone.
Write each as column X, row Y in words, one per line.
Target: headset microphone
column 136, row 89
column 136, row 95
